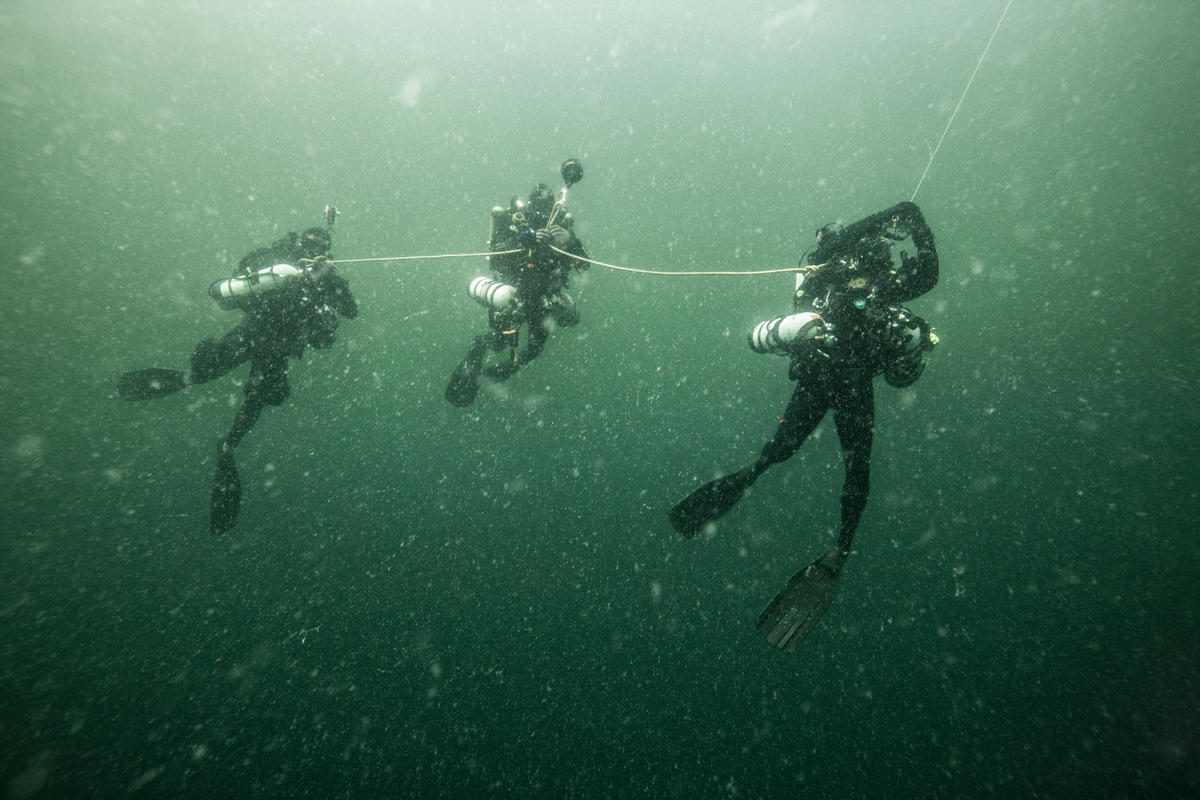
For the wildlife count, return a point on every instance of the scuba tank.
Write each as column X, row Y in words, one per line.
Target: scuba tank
column 781, row 334
column 492, row 293
column 238, row 292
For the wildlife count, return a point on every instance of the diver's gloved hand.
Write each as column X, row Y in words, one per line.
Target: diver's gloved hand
column 908, row 333
column 555, row 235
column 336, row 293
column 907, row 339
column 904, row 216
column 908, row 217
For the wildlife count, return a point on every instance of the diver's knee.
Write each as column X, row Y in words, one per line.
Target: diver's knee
column 274, row 394
column 270, row 390
column 206, row 362
column 774, row 453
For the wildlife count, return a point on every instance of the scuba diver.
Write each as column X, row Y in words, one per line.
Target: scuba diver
column 292, row 298
column 847, row 327
column 535, row 246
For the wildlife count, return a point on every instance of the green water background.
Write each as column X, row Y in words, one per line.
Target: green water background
column 422, row 601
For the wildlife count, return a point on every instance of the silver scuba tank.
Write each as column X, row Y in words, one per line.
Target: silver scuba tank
column 491, row 293
column 237, row 292
column 780, row 335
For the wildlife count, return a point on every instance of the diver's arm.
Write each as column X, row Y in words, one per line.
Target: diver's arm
column 916, row 276
column 336, row 291
column 562, row 244
column 575, row 248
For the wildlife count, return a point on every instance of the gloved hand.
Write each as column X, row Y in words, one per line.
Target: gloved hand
column 908, row 217
column 907, row 333
column 907, row 339
column 906, row 364
column 335, row 293
column 555, row 235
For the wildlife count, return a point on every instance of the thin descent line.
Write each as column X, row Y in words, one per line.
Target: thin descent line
column 960, row 102
column 663, row 272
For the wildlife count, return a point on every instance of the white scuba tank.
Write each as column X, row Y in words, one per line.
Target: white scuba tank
column 781, row 334
column 236, row 292
column 491, row 293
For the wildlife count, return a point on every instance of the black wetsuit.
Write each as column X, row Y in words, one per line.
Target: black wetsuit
column 541, row 277
column 278, row 325
column 838, row 376
column 856, row 291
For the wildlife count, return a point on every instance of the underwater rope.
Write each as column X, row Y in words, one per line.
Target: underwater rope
column 570, row 255
column 778, row 271
column 983, row 55
column 417, row 258
column 663, row 272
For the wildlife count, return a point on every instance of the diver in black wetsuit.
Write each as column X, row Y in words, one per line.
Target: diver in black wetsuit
column 848, row 327
column 531, row 289
column 283, row 316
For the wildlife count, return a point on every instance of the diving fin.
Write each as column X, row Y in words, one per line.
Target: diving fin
column 226, row 492
column 710, row 501
column 796, row 609
column 147, row 384
column 464, row 383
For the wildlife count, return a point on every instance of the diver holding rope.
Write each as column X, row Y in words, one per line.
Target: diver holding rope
column 292, row 298
column 534, row 249
column 847, row 328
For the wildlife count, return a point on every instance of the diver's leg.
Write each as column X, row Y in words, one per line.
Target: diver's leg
column 714, row 499
column 247, row 414
column 213, row 358
column 266, row 386
column 464, row 381
column 501, row 372
column 539, row 333
column 804, row 411
column 270, row 379
column 510, row 338
column 854, row 415
column 226, row 496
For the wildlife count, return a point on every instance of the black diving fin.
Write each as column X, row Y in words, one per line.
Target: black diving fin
column 226, row 492
column 464, row 383
column 147, row 384
column 796, row 609
column 462, row 388
column 710, row 502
